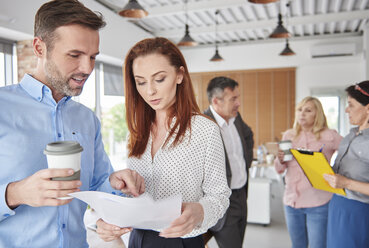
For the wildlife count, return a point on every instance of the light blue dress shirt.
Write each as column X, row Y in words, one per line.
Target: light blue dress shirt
column 29, row 119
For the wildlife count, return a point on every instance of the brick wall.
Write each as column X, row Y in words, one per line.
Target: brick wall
column 27, row 61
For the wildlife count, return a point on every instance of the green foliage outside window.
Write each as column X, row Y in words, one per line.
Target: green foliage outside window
column 114, row 120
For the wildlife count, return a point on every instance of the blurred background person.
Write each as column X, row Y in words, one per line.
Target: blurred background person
column 306, row 208
column 224, row 98
column 348, row 221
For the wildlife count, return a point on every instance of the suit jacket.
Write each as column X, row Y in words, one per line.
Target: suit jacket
column 247, row 140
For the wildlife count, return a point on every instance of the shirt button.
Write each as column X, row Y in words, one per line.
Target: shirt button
column 63, row 225
column 59, row 135
column 6, row 215
column 38, row 98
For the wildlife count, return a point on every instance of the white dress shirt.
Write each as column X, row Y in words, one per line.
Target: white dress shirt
column 195, row 168
column 233, row 146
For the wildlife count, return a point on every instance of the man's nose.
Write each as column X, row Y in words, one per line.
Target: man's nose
column 86, row 65
column 238, row 103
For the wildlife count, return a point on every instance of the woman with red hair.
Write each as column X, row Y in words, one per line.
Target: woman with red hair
column 172, row 145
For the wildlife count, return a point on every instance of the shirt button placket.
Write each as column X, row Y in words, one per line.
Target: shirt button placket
column 58, row 122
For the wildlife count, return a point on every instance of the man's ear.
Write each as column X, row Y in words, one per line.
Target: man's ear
column 214, row 101
column 39, row 47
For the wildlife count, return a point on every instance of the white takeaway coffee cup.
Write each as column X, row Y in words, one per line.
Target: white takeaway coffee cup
column 285, row 146
column 62, row 155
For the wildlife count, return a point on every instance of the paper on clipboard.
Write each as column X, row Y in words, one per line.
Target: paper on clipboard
column 314, row 165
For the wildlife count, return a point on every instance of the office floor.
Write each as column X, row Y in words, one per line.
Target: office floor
column 274, row 235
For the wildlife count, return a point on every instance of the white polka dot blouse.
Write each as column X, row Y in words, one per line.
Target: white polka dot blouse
column 195, row 169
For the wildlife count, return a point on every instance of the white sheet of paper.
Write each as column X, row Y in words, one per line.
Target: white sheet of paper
column 141, row 212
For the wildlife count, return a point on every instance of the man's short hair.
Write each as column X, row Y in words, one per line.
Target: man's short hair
column 57, row 13
column 217, row 85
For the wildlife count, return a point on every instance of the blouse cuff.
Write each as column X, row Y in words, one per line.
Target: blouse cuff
column 207, row 220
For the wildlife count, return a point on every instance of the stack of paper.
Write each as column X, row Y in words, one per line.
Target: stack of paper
column 141, row 212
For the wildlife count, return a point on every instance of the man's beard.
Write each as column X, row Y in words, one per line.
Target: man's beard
column 59, row 83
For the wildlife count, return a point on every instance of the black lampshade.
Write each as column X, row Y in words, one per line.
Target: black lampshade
column 280, row 31
column 263, row 1
column 187, row 39
column 216, row 56
column 133, row 9
column 287, row 51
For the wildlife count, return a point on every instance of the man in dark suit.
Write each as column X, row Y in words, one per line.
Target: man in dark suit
column 224, row 99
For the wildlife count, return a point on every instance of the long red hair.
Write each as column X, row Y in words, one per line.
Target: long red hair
column 139, row 114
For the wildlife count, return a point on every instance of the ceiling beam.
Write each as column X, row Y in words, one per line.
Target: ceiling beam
column 356, row 35
column 297, row 20
column 192, row 6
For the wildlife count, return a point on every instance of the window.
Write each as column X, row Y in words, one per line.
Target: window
column 331, row 106
column 7, row 71
column 2, row 70
column 103, row 93
column 333, row 102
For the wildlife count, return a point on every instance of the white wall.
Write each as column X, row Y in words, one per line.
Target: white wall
column 327, row 75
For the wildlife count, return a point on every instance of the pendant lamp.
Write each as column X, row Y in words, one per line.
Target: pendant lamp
column 133, row 10
column 263, row 1
column 287, row 51
column 280, row 31
column 187, row 40
column 216, row 56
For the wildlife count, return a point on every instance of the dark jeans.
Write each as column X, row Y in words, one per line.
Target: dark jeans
column 150, row 239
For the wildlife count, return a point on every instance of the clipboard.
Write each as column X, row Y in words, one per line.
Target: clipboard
column 314, row 165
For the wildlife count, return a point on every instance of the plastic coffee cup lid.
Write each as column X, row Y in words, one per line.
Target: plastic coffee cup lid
column 63, row 148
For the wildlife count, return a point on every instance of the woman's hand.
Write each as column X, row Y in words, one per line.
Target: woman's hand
column 192, row 215
column 336, row 181
column 280, row 156
column 108, row 232
column 128, row 181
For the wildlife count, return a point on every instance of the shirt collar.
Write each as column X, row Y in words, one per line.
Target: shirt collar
column 221, row 122
column 356, row 130
column 36, row 89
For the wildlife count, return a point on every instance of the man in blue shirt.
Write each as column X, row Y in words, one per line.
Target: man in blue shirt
column 39, row 110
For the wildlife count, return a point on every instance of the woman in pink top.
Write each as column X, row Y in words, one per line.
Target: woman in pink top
column 306, row 208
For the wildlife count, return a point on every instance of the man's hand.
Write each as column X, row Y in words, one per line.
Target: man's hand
column 128, row 181
column 39, row 190
column 108, row 232
column 336, row 181
column 192, row 215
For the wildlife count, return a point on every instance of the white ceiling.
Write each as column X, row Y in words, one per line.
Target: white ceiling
column 244, row 22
